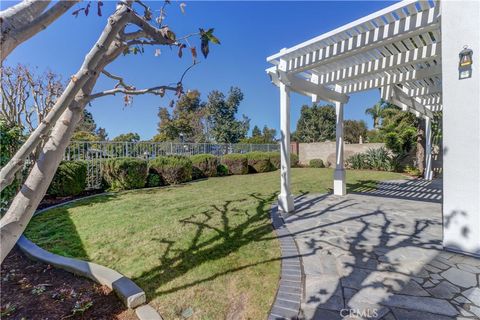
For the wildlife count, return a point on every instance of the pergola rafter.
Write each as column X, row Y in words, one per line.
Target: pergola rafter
column 399, row 22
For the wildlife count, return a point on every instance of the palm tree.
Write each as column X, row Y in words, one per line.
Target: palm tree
column 376, row 113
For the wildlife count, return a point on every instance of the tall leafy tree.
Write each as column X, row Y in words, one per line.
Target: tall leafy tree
column 127, row 137
column 86, row 129
column 353, row 130
column 222, row 122
column 399, row 130
column 377, row 111
column 188, row 119
column 256, row 132
column 316, row 124
column 267, row 135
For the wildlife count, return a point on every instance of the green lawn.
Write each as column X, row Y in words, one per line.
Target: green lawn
column 207, row 244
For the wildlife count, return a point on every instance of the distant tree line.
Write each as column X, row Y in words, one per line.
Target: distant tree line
column 317, row 124
column 214, row 120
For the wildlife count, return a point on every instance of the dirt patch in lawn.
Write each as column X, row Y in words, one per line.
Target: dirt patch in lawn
column 34, row 290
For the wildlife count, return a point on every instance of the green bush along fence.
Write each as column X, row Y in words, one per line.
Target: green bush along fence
column 94, row 152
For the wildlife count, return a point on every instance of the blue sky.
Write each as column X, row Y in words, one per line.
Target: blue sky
column 249, row 31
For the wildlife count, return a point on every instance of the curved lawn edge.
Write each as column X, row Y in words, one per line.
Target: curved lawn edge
column 289, row 292
column 128, row 291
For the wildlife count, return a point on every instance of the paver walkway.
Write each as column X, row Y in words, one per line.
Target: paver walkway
column 366, row 256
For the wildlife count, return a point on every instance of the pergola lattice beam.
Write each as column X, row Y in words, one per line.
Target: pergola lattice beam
column 388, row 63
column 399, row 97
column 381, row 35
column 390, row 78
column 424, row 90
column 304, row 87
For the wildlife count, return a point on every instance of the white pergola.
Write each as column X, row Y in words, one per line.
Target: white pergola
column 397, row 50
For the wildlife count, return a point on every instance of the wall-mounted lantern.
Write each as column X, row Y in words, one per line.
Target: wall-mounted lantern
column 465, row 63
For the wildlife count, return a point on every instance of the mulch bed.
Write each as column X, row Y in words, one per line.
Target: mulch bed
column 49, row 201
column 35, row 290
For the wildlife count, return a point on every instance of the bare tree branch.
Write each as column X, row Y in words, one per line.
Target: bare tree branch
column 159, row 90
column 160, row 35
column 188, row 69
column 133, row 35
column 21, row 22
column 120, row 80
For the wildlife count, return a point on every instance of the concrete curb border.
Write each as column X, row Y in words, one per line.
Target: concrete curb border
column 127, row 290
column 289, row 294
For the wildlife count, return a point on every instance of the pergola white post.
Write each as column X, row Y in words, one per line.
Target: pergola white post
column 339, row 186
column 285, row 199
column 428, row 174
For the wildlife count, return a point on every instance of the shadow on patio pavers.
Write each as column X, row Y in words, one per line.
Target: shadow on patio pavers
column 367, row 257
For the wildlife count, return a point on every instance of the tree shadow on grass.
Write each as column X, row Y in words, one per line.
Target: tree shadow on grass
column 54, row 230
column 210, row 242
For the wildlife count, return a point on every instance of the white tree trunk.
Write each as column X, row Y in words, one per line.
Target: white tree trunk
column 24, row 20
column 26, row 201
column 33, row 190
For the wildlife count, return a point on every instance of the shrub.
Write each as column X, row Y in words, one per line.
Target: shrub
column 11, row 139
column 125, row 173
column 357, row 161
column 204, row 165
column 379, row 159
column 393, row 142
column 222, row 170
column 259, row 162
column 69, row 180
column 293, row 160
column 236, row 163
column 154, row 180
column 376, row 159
column 316, row 163
column 413, row 171
column 275, row 159
column 172, row 169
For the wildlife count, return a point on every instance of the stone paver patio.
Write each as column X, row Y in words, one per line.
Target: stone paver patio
column 369, row 256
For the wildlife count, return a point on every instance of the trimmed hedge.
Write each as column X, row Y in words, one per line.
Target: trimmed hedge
column 172, row 169
column 236, row 163
column 125, row 173
column 293, row 160
column 316, row 163
column 259, row 162
column 204, row 165
column 275, row 159
column 154, row 180
column 69, row 180
column 276, row 162
column 222, row 170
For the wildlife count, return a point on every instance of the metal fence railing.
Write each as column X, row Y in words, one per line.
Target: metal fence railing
column 83, row 150
column 93, row 152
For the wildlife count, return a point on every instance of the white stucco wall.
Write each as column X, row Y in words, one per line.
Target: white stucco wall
column 326, row 151
column 461, row 127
